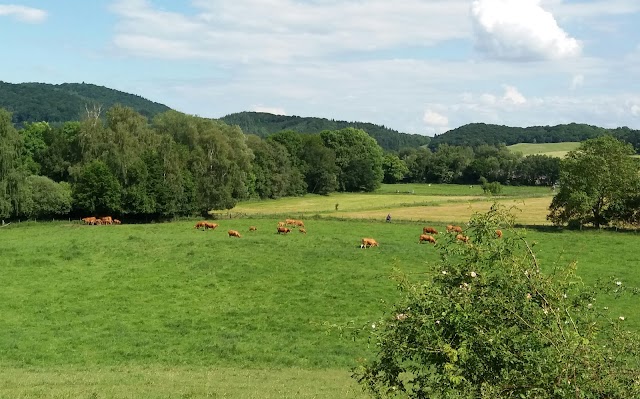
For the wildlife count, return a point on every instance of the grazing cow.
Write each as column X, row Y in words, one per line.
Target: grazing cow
column 116, row 221
column 429, row 230
column 208, row 225
column 302, row 230
column 368, row 242
column 426, row 237
column 462, row 238
column 253, row 228
column 299, row 223
column 290, row 222
column 89, row 220
column 107, row 220
column 499, row 233
column 281, row 224
column 283, row 230
column 98, row 222
column 233, row 233
column 200, row 224
column 454, row 229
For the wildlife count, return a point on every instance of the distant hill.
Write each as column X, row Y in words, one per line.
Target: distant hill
column 475, row 134
column 34, row 102
column 263, row 124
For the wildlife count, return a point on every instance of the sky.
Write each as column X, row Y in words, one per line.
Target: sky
column 416, row 66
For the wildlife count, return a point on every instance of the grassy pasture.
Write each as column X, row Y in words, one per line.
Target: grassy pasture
column 552, row 149
column 164, row 310
column 437, row 202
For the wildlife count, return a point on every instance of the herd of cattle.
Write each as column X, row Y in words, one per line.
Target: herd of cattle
column 99, row 221
column 426, row 236
column 282, row 227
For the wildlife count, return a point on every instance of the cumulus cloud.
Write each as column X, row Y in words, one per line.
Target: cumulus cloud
column 513, row 96
column 520, row 30
column 433, row 118
column 23, row 13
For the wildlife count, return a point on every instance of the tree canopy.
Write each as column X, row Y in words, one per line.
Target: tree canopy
column 599, row 184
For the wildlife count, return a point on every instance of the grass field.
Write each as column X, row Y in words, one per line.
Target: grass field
column 165, row 311
column 552, row 149
column 410, row 202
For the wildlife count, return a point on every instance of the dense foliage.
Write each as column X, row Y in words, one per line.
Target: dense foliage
column 263, row 124
column 599, row 185
column 122, row 164
column 488, row 323
column 36, row 102
column 475, row 134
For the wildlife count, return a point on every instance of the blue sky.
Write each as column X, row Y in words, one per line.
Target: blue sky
column 417, row 66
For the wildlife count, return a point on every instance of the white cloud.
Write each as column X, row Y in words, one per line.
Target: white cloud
column 433, row 118
column 520, row 30
column 635, row 110
column 239, row 31
column 577, row 81
column 269, row 110
column 513, row 96
column 22, row 13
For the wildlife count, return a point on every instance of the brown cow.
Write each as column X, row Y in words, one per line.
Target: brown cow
column 283, row 230
column 89, row 220
column 499, row 233
column 454, row 229
column 233, row 233
column 281, row 224
column 302, row 230
column 426, row 237
column 429, row 230
column 208, row 225
column 116, row 221
column 107, row 220
column 253, row 228
column 290, row 222
column 462, row 238
column 200, row 224
column 370, row 242
column 299, row 223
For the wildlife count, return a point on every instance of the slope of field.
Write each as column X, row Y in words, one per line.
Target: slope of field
column 164, row 310
column 551, row 149
column 410, row 202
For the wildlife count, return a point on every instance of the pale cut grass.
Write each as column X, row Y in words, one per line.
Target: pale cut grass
column 347, row 202
column 551, row 149
column 529, row 211
column 177, row 382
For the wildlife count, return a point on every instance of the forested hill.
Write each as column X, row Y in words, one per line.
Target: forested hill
column 475, row 134
column 263, row 124
column 38, row 102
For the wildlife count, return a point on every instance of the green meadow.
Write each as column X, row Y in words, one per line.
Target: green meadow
column 167, row 311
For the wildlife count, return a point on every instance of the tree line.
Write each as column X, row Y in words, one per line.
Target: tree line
column 475, row 134
column 123, row 164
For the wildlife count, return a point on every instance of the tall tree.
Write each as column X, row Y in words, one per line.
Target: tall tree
column 358, row 158
column 595, row 181
column 12, row 176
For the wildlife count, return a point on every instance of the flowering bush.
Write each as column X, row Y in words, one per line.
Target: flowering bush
column 487, row 323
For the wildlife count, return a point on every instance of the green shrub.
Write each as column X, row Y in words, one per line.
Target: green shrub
column 489, row 324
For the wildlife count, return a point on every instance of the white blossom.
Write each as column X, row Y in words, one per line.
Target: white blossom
column 373, row 325
column 618, row 283
column 621, row 318
column 473, row 274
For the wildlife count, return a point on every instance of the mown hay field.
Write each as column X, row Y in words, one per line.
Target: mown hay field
column 411, row 202
column 165, row 310
column 551, row 149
